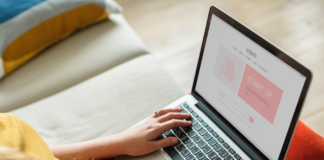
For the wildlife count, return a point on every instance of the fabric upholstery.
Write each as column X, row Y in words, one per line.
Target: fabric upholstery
column 34, row 25
column 306, row 144
column 79, row 57
column 103, row 105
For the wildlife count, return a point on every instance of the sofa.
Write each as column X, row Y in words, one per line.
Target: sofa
column 97, row 82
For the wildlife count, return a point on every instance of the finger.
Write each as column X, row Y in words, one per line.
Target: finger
column 168, row 110
column 165, row 143
column 172, row 124
column 173, row 115
column 165, row 111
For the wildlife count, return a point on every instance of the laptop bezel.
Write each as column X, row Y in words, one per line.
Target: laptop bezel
column 276, row 51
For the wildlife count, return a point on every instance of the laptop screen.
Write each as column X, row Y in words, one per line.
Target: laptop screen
column 253, row 89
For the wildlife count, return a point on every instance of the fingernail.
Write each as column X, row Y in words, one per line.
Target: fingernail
column 174, row 140
column 179, row 108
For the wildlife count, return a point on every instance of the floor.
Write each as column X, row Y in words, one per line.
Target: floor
column 173, row 31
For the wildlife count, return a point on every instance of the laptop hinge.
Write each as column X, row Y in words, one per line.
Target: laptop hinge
column 248, row 150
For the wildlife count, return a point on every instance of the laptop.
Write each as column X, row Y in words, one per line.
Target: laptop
column 245, row 101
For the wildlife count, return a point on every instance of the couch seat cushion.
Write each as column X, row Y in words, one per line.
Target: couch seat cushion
column 77, row 58
column 105, row 104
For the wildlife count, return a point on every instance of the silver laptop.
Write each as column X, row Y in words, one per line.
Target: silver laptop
column 246, row 97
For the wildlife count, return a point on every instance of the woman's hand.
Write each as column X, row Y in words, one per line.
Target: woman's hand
column 141, row 139
column 135, row 141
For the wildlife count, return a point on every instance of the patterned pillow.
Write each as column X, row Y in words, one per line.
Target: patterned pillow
column 29, row 26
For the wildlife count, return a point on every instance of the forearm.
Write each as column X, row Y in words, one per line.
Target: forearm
column 136, row 141
column 106, row 147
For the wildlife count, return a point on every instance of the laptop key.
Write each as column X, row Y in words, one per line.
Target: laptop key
column 176, row 130
column 190, row 110
column 226, row 145
column 181, row 147
column 167, row 133
column 205, row 124
column 202, row 144
column 197, row 127
column 184, row 111
column 186, row 140
column 229, row 157
column 207, row 137
column 237, row 156
column 212, row 142
column 197, row 139
column 171, row 135
column 201, row 156
column 191, row 157
column 232, row 151
column 179, row 142
column 185, row 152
column 207, row 149
column 210, row 129
column 181, row 135
column 212, row 155
column 195, row 114
column 200, row 119
column 193, row 134
column 195, row 150
column 202, row 132
column 215, row 134
column 220, row 139
column 218, row 158
column 218, row 147
column 191, row 145
column 187, row 129
column 223, row 153
column 186, row 105
column 193, row 122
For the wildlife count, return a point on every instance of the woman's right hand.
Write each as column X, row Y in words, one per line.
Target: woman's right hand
column 141, row 139
column 138, row 140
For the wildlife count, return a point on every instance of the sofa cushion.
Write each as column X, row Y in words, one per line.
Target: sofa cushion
column 28, row 27
column 77, row 58
column 106, row 104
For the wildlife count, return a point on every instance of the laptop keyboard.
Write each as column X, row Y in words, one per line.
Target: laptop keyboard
column 199, row 141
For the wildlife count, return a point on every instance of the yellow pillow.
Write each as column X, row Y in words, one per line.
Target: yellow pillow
column 28, row 27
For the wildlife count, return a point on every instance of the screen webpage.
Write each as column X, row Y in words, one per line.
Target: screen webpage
column 254, row 90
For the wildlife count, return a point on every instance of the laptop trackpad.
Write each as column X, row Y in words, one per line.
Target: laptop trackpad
column 152, row 156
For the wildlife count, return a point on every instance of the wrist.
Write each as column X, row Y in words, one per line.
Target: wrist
column 118, row 144
column 106, row 147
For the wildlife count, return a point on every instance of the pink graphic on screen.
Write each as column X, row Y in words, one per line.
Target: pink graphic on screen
column 260, row 93
column 227, row 69
column 251, row 119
